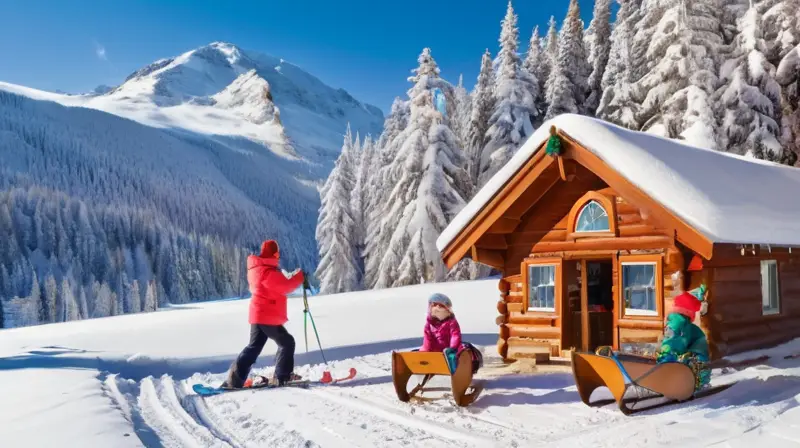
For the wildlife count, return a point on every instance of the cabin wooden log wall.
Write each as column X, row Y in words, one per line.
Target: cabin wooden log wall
column 532, row 220
column 735, row 316
column 543, row 232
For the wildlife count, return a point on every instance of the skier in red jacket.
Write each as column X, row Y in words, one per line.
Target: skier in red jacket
column 268, row 287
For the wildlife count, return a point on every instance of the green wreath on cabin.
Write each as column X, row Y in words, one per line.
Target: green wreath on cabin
column 553, row 143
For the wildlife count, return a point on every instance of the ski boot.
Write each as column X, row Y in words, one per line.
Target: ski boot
column 293, row 377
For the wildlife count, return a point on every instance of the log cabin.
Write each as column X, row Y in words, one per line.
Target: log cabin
column 591, row 224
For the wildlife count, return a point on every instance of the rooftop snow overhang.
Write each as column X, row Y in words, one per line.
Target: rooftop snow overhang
column 486, row 214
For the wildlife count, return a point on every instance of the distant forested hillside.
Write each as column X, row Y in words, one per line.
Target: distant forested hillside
column 100, row 215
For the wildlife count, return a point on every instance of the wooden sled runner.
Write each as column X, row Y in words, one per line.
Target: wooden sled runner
column 406, row 364
column 673, row 381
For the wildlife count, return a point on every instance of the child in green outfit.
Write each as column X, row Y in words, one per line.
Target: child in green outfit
column 683, row 340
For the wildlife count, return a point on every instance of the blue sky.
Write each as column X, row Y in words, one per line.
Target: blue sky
column 367, row 47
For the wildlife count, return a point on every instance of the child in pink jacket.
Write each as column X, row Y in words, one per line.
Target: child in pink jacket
column 443, row 334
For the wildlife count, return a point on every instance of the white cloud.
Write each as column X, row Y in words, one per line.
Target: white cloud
column 100, row 51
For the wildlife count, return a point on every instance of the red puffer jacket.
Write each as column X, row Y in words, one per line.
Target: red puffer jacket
column 269, row 288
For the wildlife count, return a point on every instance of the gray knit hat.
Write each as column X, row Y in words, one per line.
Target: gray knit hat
column 440, row 298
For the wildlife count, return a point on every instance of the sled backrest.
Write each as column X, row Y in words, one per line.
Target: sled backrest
column 592, row 371
column 425, row 363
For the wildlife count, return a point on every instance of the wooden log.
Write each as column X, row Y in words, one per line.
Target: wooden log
column 491, row 258
column 641, row 324
column 526, row 342
column 504, row 225
column 492, row 241
column 503, row 285
column 532, row 319
column 523, row 348
column 503, row 331
column 731, row 292
column 517, row 298
column 642, row 242
column 533, row 331
column 742, row 332
column 625, row 219
column 529, row 238
column 737, row 274
column 501, row 319
column 625, row 208
column 514, row 307
column 634, row 230
column 630, row 336
column 501, row 307
column 502, row 348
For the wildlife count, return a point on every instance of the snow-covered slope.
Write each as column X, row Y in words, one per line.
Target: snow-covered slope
column 219, row 89
column 126, row 381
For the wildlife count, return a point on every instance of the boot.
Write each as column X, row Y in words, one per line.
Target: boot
column 233, row 381
column 293, row 377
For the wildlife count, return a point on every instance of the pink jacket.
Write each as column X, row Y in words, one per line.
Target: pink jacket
column 440, row 335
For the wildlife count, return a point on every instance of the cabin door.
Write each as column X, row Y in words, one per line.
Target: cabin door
column 592, row 311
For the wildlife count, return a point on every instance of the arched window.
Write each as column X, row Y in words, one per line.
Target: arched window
column 592, row 218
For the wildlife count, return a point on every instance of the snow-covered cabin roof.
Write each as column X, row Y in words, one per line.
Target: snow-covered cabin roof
column 726, row 197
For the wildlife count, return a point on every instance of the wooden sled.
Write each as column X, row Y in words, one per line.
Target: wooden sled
column 673, row 380
column 407, row 364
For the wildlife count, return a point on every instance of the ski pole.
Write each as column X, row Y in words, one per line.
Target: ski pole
column 313, row 325
column 305, row 318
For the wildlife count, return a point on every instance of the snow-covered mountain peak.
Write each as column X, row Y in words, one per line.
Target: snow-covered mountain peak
column 249, row 96
column 218, row 89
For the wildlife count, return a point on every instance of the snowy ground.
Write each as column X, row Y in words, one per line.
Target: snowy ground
column 126, row 381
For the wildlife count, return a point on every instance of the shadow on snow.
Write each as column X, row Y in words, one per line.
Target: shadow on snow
column 141, row 367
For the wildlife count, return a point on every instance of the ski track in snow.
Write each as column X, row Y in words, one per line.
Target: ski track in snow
column 167, row 413
column 365, row 413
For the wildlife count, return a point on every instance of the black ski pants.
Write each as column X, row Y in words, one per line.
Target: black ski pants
column 284, row 358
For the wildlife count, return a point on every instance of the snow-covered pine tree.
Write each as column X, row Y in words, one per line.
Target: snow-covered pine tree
column 749, row 100
column 150, row 303
column 135, row 298
column 429, row 169
column 510, row 124
column 782, row 32
column 378, row 234
column 599, row 48
column 71, row 311
column 83, row 304
column 459, row 122
column 483, row 102
column 618, row 104
column 550, row 50
column 568, row 84
column 780, row 27
column 535, row 64
column 683, row 75
column 788, row 76
column 50, row 296
column 336, row 228
column 361, row 198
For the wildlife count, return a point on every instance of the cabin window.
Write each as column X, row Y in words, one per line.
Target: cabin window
column 770, row 294
column 639, row 289
column 592, row 218
column 542, row 287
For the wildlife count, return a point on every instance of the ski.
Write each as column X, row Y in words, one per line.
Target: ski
column 205, row 390
column 327, row 379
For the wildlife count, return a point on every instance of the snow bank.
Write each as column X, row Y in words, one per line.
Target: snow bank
column 728, row 198
column 126, row 381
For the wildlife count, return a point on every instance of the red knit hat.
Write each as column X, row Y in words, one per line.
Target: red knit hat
column 269, row 249
column 686, row 304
